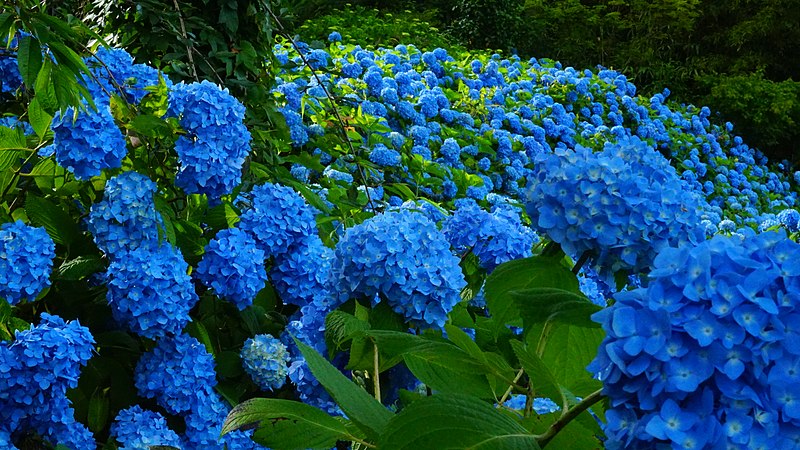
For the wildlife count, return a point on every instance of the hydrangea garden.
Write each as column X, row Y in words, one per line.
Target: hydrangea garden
column 441, row 250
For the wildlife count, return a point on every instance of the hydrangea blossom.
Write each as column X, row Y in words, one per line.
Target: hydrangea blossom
column 39, row 366
column 113, row 69
column 204, row 425
column 213, row 152
column 10, row 78
column 624, row 203
column 233, row 267
column 26, row 260
column 277, row 217
column 495, row 237
column 709, row 345
column 138, row 429
column 401, row 256
column 173, row 371
column 301, row 274
column 266, row 360
column 126, row 218
column 88, row 142
column 150, row 292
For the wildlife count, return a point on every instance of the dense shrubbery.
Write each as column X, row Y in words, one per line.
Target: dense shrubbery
column 376, row 261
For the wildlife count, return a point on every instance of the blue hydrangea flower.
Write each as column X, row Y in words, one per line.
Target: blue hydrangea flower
column 88, row 142
column 384, row 156
column 14, row 122
column 233, row 267
column 495, row 237
column 302, row 273
column 10, row 78
column 38, row 368
column 113, row 69
column 709, row 345
column 126, row 219
column 204, row 425
column 401, row 256
column 173, row 372
column 277, row 217
column 138, row 429
column 150, row 291
column 334, row 37
column 266, row 360
column 26, row 260
column 213, row 152
column 789, row 218
column 624, row 203
column 540, row 405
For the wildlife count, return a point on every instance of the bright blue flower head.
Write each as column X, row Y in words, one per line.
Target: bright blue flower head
column 302, row 274
column 623, row 204
column 139, row 429
column 26, row 262
column 266, row 360
column 89, row 143
column 277, row 217
column 126, row 218
column 116, row 64
column 401, row 256
column 708, row 345
column 150, row 292
column 233, row 267
column 384, row 156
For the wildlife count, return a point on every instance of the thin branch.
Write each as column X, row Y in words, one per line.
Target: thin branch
column 186, row 40
column 511, row 388
column 376, row 379
column 545, row 438
column 581, row 261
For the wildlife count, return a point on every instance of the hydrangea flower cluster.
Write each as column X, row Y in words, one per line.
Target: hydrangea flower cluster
column 540, row 405
column 402, row 256
column 213, row 152
column 495, row 237
column 624, row 203
column 10, row 78
column 36, row 370
column 277, row 217
column 302, row 274
column 113, row 69
column 126, row 219
column 266, row 360
column 707, row 354
column 26, row 260
column 87, row 142
column 138, row 429
column 150, row 291
column 233, row 267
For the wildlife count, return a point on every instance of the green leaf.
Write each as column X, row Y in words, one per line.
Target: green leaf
column 98, row 411
column 454, row 421
column 80, row 267
column 150, row 125
column 11, row 143
column 447, row 368
column 40, row 119
column 542, row 380
column 44, row 88
column 537, row 271
column 29, row 59
column 544, row 304
column 366, row 412
column 285, row 424
column 341, row 327
column 568, row 351
column 59, row 225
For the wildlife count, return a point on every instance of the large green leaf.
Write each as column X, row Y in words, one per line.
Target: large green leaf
column 29, row 59
column 447, row 368
column 545, row 304
column 286, row 424
column 80, row 267
column 537, row 271
column 366, row 412
column 568, row 350
column 454, row 421
column 59, row 225
column 543, row 382
column 11, row 144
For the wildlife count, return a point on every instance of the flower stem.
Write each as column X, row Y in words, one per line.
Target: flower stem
column 545, row 438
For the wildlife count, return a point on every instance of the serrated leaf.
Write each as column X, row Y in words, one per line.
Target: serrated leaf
column 537, row 271
column 454, row 421
column 285, row 424
column 545, row 304
column 11, row 143
column 366, row 412
column 59, row 225
column 44, row 88
column 98, row 411
column 149, row 125
column 29, row 59
column 568, row 351
column 40, row 119
column 542, row 380
column 80, row 267
column 341, row 327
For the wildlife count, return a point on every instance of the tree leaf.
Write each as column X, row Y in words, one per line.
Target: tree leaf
column 454, row 421
column 366, row 412
column 29, row 59
column 285, row 424
column 537, row 271
column 545, row 304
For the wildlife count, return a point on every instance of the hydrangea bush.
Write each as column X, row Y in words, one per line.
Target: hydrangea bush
column 416, row 263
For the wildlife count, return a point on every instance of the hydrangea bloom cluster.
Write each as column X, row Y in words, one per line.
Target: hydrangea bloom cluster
column 213, row 152
column 36, row 370
column 707, row 354
column 113, row 69
column 138, row 429
column 301, row 274
column 26, row 260
column 266, row 360
column 495, row 237
column 10, row 78
column 540, row 405
column 233, row 267
column 150, row 291
column 126, row 218
column 88, row 142
column 624, row 203
column 401, row 256
column 277, row 217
